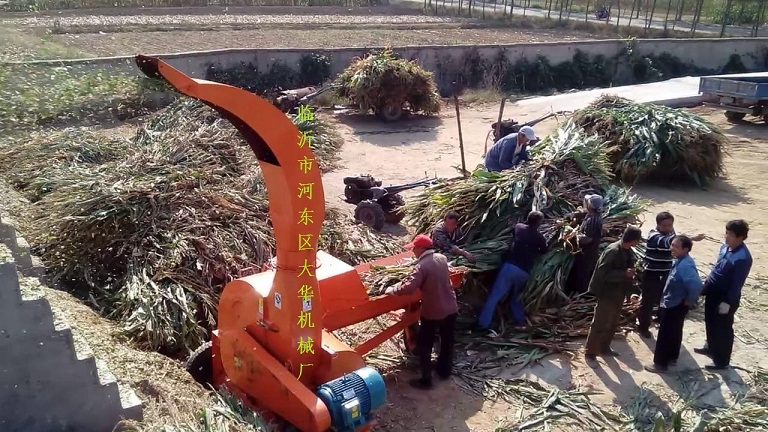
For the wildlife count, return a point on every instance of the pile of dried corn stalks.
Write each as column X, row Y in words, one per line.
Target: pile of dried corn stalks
column 152, row 227
column 382, row 79
column 566, row 165
column 658, row 142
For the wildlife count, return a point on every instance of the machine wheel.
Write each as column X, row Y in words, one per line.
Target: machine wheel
column 371, row 214
column 411, row 336
column 200, row 364
column 391, row 112
column 734, row 116
column 395, row 216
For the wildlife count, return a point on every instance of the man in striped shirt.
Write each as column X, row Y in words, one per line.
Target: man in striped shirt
column 658, row 262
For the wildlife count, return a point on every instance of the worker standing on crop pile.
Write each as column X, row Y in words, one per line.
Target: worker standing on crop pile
column 439, row 309
column 590, row 233
column 681, row 292
column 526, row 245
column 722, row 292
column 658, row 262
column 510, row 151
column 448, row 235
column 611, row 283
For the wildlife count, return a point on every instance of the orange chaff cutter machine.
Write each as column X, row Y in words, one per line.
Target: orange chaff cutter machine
column 262, row 351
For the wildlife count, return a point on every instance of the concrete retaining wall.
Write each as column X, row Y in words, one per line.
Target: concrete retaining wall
column 46, row 384
column 704, row 53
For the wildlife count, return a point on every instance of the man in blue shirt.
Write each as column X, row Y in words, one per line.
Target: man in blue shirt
column 526, row 245
column 658, row 260
column 510, row 151
column 722, row 290
column 682, row 290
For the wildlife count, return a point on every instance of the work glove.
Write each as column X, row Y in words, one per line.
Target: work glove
column 723, row 308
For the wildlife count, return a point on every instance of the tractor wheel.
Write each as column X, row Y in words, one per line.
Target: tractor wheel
column 734, row 116
column 391, row 112
column 411, row 337
column 395, row 216
column 371, row 214
column 200, row 364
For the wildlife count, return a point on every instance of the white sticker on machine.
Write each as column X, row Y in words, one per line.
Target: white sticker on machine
column 278, row 301
column 306, row 305
column 348, row 394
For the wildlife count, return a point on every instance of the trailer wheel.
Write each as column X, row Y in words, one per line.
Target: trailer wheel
column 734, row 116
column 411, row 337
column 391, row 112
column 371, row 214
column 200, row 364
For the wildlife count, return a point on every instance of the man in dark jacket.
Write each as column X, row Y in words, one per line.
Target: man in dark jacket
column 658, row 262
column 510, row 150
column 611, row 282
column 722, row 290
column 590, row 233
column 448, row 237
column 527, row 244
column 439, row 309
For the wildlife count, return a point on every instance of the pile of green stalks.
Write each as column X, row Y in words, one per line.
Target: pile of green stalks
column 655, row 142
column 566, row 165
column 151, row 228
column 34, row 95
column 382, row 79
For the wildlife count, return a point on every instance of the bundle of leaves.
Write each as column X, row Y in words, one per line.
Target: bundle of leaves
column 154, row 234
column 382, row 79
column 649, row 141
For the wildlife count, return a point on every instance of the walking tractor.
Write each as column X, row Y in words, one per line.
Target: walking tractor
column 376, row 204
column 738, row 94
column 273, row 347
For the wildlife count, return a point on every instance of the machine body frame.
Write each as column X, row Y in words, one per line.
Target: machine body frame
column 253, row 352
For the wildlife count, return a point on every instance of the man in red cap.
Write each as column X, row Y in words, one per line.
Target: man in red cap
column 438, row 309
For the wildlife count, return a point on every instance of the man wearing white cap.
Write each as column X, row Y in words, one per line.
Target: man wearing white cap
column 509, row 151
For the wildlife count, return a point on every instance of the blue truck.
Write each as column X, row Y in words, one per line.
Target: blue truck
column 738, row 94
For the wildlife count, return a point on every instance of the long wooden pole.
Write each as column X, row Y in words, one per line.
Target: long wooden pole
column 458, row 121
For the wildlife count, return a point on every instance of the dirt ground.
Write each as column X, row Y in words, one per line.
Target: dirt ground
column 430, row 146
column 163, row 31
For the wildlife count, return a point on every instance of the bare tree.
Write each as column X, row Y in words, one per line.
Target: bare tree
column 696, row 16
column 666, row 18
column 680, row 7
column 649, row 20
column 726, row 16
column 586, row 15
column 632, row 12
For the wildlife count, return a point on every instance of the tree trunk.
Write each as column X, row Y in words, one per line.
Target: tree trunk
column 632, row 12
column 726, row 17
column 666, row 18
column 648, row 21
column 618, row 13
column 586, row 15
column 696, row 17
column 680, row 7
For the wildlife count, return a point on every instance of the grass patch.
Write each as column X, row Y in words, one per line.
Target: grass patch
column 39, row 95
column 18, row 45
column 481, row 96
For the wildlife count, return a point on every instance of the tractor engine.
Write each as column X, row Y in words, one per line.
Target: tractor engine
column 351, row 398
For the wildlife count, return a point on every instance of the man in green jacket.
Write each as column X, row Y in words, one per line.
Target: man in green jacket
column 611, row 282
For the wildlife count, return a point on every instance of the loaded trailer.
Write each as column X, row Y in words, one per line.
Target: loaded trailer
column 738, row 94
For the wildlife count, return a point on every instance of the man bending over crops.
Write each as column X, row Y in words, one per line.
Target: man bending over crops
column 590, row 233
column 510, row 151
column 611, row 283
column 722, row 290
column 526, row 245
column 681, row 292
column 447, row 237
column 439, row 309
column 658, row 262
